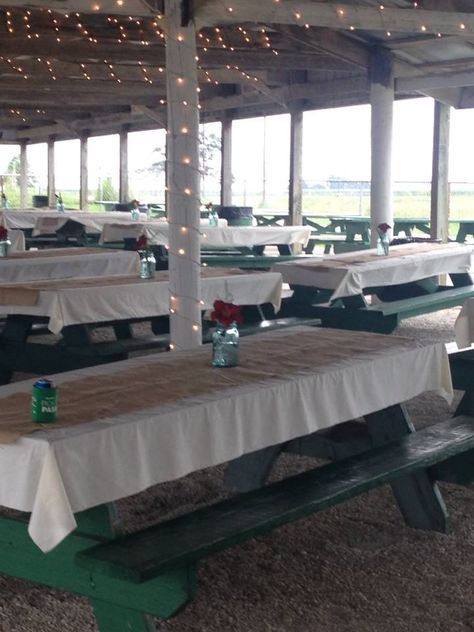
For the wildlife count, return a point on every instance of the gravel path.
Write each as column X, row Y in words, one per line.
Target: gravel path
column 353, row 568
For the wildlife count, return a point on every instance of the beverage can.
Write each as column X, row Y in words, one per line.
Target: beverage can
column 44, row 401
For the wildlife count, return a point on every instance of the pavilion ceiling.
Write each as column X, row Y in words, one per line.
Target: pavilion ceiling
column 84, row 68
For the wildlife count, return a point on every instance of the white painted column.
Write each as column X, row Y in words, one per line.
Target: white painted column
column 440, row 172
column 295, row 192
column 226, row 162
column 84, row 174
column 381, row 100
column 23, row 176
column 51, row 184
column 183, row 180
column 123, row 175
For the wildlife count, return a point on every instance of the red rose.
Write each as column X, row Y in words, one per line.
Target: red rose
column 3, row 233
column 141, row 243
column 226, row 313
column 383, row 227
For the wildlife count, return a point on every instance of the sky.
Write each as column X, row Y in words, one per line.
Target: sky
column 336, row 143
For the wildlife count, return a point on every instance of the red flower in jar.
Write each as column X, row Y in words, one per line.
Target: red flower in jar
column 383, row 228
column 141, row 243
column 226, row 313
column 3, row 233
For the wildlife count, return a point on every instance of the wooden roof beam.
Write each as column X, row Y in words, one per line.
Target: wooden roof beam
column 335, row 16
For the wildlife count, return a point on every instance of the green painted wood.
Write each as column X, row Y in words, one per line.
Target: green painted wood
column 418, row 497
column 112, row 618
column 141, row 556
column 355, row 319
column 416, row 305
column 20, row 557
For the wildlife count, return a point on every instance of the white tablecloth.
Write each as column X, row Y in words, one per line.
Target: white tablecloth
column 17, row 238
column 58, row 472
column 351, row 277
column 211, row 236
column 31, row 265
column 138, row 298
column 92, row 222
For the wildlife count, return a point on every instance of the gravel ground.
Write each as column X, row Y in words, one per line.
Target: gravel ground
column 353, row 568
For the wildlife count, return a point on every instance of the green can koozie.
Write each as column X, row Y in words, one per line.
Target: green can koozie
column 44, row 402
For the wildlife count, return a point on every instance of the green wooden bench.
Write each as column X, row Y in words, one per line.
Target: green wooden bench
column 384, row 317
column 178, row 543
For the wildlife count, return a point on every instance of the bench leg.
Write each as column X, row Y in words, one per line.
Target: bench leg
column 112, row 618
column 418, row 497
column 250, row 471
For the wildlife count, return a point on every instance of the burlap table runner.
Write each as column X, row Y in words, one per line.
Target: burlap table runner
column 28, row 293
column 59, row 252
column 175, row 376
column 361, row 257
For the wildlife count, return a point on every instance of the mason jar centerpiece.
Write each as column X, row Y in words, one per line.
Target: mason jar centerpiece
column 5, row 243
column 383, row 240
column 225, row 339
column 147, row 258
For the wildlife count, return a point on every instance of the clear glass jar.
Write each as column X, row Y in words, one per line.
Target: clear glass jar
column 147, row 264
column 213, row 218
column 4, row 247
column 383, row 245
column 225, row 346
column 135, row 214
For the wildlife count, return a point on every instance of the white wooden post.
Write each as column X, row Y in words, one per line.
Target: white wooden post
column 226, row 162
column 381, row 100
column 84, row 173
column 183, row 180
column 123, row 175
column 439, row 177
column 23, row 176
column 295, row 192
column 51, row 186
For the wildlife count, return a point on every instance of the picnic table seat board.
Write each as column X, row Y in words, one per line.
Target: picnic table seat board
column 159, row 434
column 405, row 280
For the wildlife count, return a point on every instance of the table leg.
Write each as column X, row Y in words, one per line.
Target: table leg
column 16, row 332
column 119, row 605
column 418, row 497
column 250, row 471
column 112, row 618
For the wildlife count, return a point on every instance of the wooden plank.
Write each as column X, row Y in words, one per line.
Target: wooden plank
column 141, row 556
column 418, row 497
column 425, row 303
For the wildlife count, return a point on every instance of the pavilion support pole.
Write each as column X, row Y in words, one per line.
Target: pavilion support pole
column 84, row 173
column 51, row 184
column 183, row 179
column 23, row 176
column 439, row 177
column 123, row 175
column 226, row 162
column 295, row 200
column 381, row 100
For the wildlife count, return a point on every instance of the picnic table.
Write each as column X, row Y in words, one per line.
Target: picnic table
column 405, row 281
column 212, row 237
column 121, row 430
column 66, row 263
column 75, row 307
